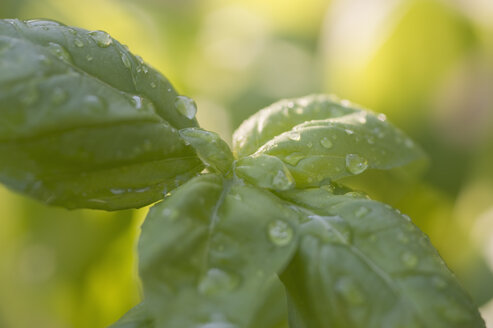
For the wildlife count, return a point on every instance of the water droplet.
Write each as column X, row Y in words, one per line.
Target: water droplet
column 382, row 117
column 218, row 281
column 282, row 181
column 349, row 131
column 356, row 164
column 170, row 213
column 350, row 291
column 186, row 106
column 362, row 211
column 140, row 60
column 103, row 39
column 118, row 191
column 59, row 51
column 409, row 259
column 153, row 85
column 95, row 103
column 362, row 118
column 137, row 102
column 89, row 58
column 326, row 143
column 280, row 233
column 295, row 136
column 345, row 103
column 294, row 158
column 78, row 43
column 126, row 61
column 59, row 96
column 439, row 282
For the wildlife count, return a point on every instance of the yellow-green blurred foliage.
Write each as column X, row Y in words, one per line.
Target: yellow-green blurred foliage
column 427, row 64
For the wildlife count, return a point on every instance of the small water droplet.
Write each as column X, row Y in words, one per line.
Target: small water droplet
column 137, row 102
column 59, row 96
column 186, row 106
column 89, row 58
column 218, row 281
column 439, row 282
column 294, row 158
column 409, row 259
column 170, row 213
column 356, row 164
column 282, row 181
column 382, row 117
column 95, row 103
column 350, row 291
column 103, row 39
column 362, row 211
column 59, row 51
column 280, row 233
column 349, row 131
column 153, row 85
column 326, row 143
column 118, row 191
column 140, row 60
column 78, row 43
column 295, row 136
column 126, row 61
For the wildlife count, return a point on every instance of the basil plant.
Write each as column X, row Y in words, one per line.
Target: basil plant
column 263, row 235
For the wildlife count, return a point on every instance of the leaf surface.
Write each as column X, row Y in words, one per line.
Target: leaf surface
column 209, row 254
column 362, row 264
column 84, row 123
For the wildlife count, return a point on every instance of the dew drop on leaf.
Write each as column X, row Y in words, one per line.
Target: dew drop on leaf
column 186, row 106
column 78, row 43
column 294, row 158
column 295, row 136
column 95, row 103
column 89, row 58
column 218, row 281
column 59, row 96
column 59, row 51
column 356, row 164
column 126, row 61
column 153, row 85
column 282, row 181
column 409, row 259
column 280, row 233
column 349, row 291
column 326, row 143
column 137, row 102
column 102, row 39
column 362, row 211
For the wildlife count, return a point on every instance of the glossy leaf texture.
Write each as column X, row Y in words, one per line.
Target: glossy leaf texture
column 210, row 252
column 84, row 123
column 361, row 263
column 321, row 138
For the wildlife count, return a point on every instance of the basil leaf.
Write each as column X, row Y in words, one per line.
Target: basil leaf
column 211, row 149
column 362, row 264
column 83, row 123
column 209, row 253
column 350, row 142
column 137, row 317
column 282, row 116
column 265, row 171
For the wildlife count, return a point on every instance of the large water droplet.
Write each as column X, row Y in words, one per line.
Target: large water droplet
column 102, row 39
column 186, row 106
column 59, row 51
column 356, row 164
column 409, row 259
column 78, row 43
column 218, row 281
column 137, row 102
column 350, row 291
column 326, row 143
column 280, row 233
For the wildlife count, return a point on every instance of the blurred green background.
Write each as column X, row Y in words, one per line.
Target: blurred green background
column 427, row 64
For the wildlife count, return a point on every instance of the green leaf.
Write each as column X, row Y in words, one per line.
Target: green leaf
column 137, row 317
column 362, row 264
column 211, row 149
column 265, row 171
column 209, row 254
column 346, row 142
column 84, row 123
